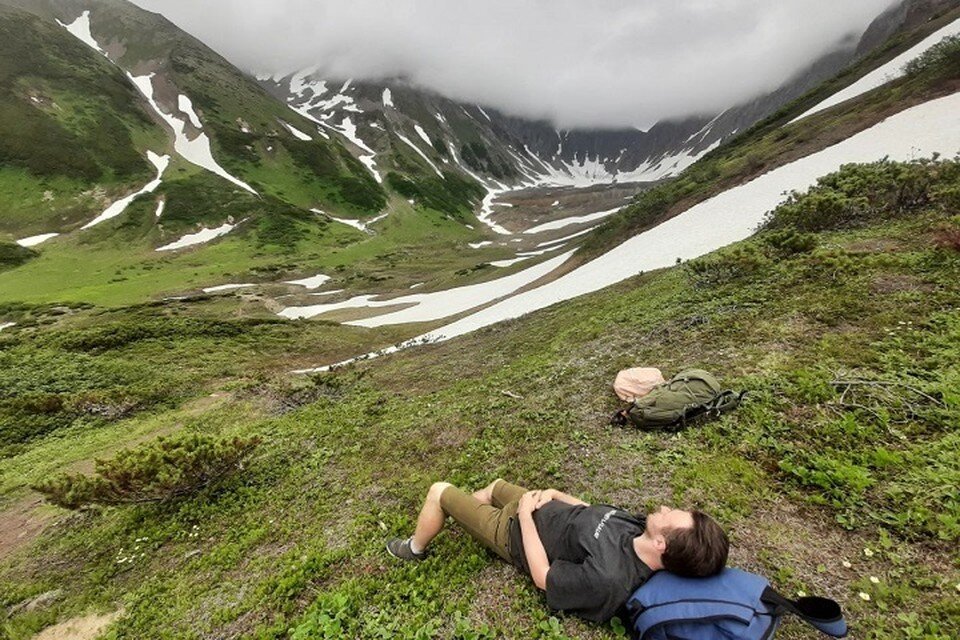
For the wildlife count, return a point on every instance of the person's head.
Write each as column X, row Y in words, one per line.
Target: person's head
column 690, row 543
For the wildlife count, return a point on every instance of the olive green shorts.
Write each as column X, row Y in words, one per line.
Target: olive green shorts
column 488, row 523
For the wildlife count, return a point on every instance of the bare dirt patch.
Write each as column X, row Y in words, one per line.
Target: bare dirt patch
column 85, row 627
column 897, row 283
column 21, row 523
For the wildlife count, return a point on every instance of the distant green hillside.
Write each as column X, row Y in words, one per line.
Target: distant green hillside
column 69, row 122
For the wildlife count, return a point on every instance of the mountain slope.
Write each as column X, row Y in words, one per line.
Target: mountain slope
column 385, row 117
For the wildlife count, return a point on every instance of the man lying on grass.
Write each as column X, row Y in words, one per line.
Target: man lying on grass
column 589, row 559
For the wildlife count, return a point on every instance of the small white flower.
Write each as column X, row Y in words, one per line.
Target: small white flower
column 874, row 579
column 846, row 565
column 867, row 551
column 864, row 596
column 801, row 594
column 957, row 586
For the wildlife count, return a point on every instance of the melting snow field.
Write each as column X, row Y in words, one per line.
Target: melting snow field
column 118, row 207
column 196, row 151
column 932, row 127
column 313, row 282
column 81, row 29
column 421, row 153
column 33, row 241
column 7, row 325
column 227, row 287
column 566, row 222
column 200, row 237
column 299, row 135
column 430, row 306
column 356, row 224
column 884, row 74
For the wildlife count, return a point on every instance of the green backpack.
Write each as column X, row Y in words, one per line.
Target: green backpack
column 691, row 394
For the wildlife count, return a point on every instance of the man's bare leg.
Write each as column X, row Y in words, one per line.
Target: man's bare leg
column 485, row 495
column 431, row 518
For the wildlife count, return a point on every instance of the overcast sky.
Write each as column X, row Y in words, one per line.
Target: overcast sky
column 593, row 63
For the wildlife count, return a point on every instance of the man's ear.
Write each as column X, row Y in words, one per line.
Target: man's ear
column 660, row 543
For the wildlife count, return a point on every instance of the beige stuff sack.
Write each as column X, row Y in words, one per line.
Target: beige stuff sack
column 637, row 382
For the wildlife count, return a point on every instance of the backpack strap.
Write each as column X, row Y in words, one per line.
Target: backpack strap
column 725, row 400
column 823, row 614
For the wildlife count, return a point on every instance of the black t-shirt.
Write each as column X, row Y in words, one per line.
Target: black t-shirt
column 593, row 567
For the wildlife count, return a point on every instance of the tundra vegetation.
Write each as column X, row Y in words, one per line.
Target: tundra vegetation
column 837, row 475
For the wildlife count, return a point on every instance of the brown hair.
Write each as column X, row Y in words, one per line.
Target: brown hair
column 697, row 551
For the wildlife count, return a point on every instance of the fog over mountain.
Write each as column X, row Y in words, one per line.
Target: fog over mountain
column 604, row 63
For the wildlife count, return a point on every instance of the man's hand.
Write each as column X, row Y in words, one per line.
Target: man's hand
column 530, row 502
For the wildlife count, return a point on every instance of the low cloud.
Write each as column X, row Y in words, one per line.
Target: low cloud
column 601, row 63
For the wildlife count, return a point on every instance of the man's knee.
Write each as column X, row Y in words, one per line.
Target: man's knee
column 436, row 490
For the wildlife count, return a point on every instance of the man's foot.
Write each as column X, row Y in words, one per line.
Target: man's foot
column 401, row 549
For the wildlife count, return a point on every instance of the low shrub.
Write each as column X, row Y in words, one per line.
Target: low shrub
column 945, row 55
column 727, row 266
column 862, row 194
column 13, row 255
column 166, row 469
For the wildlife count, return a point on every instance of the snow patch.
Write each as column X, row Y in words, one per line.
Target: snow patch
column 200, row 237
column 356, row 224
column 565, row 238
column 370, row 164
column 299, row 135
column 348, row 129
column 477, row 245
column 434, row 305
column 423, row 134
column 160, row 207
column 33, row 241
column 118, row 207
column 566, row 222
column 186, row 106
column 196, row 151
column 227, row 287
column 313, row 282
column 422, row 154
column 387, row 98
column 7, row 325
column 81, row 29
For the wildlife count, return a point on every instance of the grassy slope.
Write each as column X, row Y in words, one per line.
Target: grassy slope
column 803, row 478
column 70, row 122
column 115, row 262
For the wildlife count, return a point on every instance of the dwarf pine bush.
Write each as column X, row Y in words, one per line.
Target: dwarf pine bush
column 165, row 469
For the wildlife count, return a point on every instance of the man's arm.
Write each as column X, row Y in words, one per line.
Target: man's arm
column 552, row 494
column 532, row 545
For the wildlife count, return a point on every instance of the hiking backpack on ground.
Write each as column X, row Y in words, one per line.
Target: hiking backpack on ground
column 733, row 604
column 690, row 394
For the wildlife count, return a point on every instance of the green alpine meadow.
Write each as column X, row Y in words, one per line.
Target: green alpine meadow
column 251, row 314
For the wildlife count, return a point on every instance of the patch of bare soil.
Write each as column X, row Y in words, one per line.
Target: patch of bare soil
column 21, row 523
column 898, row 283
column 85, row 627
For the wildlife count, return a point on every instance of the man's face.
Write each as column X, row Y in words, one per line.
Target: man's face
column 666, row 518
